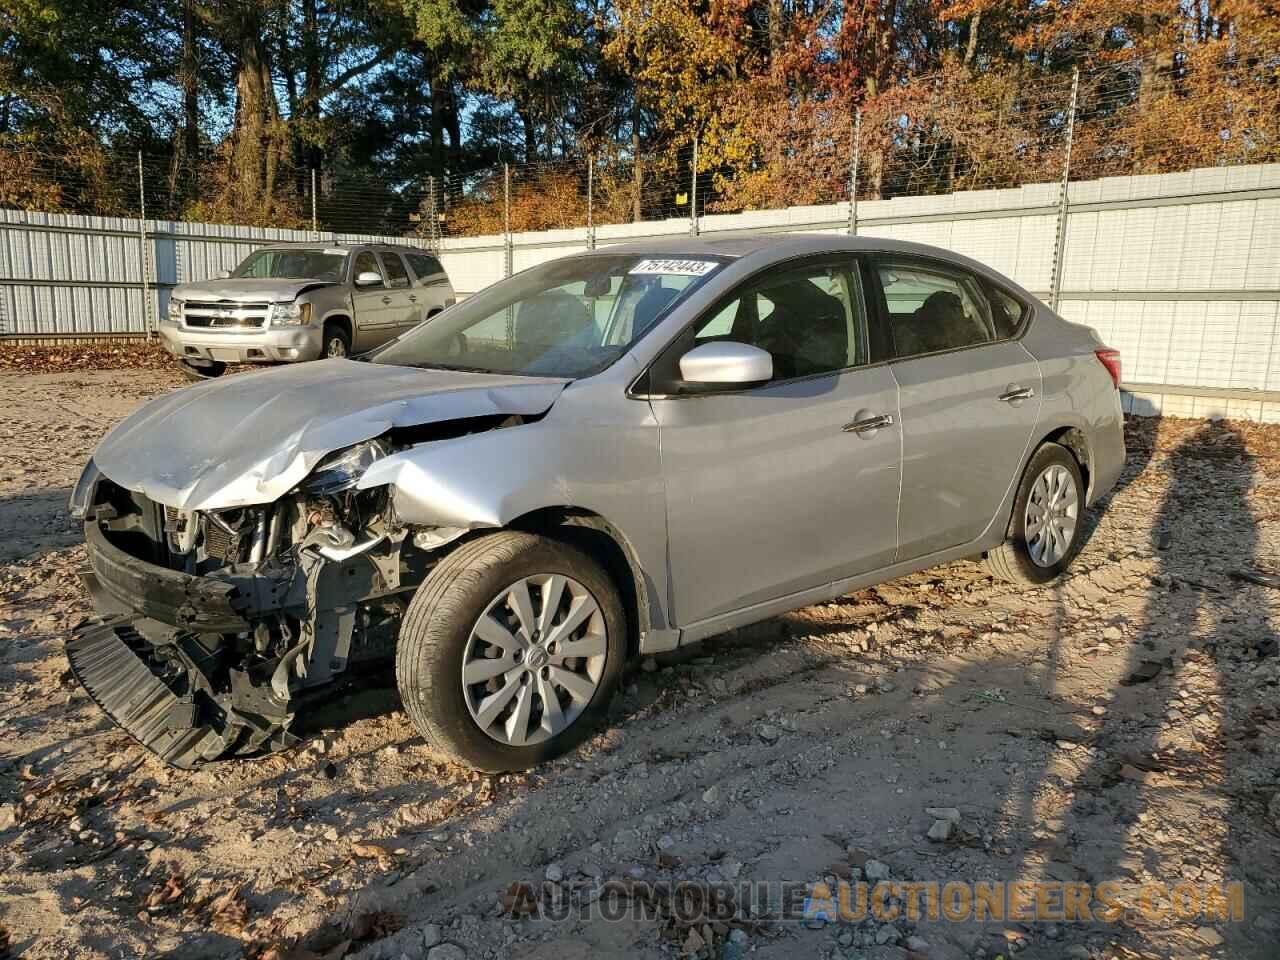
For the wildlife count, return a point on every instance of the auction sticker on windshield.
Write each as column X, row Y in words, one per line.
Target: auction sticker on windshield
column 678, row 268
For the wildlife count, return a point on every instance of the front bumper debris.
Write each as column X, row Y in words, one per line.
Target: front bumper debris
column 170, row 596
column 105, row 658
column 218, row 630
column 162, row 697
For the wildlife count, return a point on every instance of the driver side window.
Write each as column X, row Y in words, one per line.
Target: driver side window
column 366, row 262
column 810, row 320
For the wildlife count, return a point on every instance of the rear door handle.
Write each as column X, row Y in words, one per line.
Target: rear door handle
column 386, row 299
column 1016, row 393
column 413, row 298
column 869, row 424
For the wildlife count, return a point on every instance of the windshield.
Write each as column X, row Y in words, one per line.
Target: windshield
column 294, row 264
column 567, row 318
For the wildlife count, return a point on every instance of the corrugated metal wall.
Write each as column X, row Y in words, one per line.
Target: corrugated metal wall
column 1181, row 272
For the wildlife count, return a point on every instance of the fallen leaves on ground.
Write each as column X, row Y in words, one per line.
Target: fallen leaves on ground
column 137, row 354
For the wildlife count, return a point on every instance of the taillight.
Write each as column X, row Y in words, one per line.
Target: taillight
column 1111, row 360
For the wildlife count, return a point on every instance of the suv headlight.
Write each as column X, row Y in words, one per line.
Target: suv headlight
column 342, row 470
column 175, row 309
column 82, row 495
column 290, row 314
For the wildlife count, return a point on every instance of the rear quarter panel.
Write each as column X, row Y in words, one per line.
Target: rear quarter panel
column 1078, row 392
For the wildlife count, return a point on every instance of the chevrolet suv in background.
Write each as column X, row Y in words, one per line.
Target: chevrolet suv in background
column 302, row 301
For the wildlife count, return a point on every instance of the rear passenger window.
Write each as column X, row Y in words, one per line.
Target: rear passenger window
column 931, row 309
column 423, row 265
column 1006, row 312
column 397, row 276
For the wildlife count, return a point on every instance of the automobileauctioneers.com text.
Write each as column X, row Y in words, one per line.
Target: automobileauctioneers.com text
column 889, row 900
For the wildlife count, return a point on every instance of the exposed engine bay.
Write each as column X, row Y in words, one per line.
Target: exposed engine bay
column 220, row 625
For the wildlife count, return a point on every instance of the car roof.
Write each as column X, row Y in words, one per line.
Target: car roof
column 762, row 250
column 781, row 245
column 341, row 245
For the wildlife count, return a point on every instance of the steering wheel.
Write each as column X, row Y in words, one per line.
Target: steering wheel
column 460, row 340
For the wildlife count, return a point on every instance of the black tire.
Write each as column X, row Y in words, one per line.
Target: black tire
column 336, row 343
column 437, row 630
column 1012, row 560
column 215, row 369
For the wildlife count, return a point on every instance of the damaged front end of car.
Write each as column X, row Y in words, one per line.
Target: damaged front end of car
column 219, row 626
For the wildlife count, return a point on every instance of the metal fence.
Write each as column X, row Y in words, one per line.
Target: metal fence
column 1181, row 272
column 1155, row 220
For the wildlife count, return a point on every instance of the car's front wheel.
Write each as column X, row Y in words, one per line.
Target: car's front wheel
column 337, row 342
column 510, row 651
column 1048, row 517
column 209, row 370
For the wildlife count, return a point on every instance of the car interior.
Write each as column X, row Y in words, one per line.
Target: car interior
column 805, row 322
column 931, row 312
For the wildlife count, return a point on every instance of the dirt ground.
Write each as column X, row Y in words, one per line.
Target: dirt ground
column 1120, row 725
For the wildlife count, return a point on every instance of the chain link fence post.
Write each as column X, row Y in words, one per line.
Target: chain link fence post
column 693, row 192
column 433, row 215
column 506, row 246
column 144, row 258
column 591, row 226
column 853, row 173
column 506, row 221
column 1060, row 229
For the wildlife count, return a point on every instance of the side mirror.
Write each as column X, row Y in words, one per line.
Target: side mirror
column 368, row 279
column 726, row 362
column 224, row 275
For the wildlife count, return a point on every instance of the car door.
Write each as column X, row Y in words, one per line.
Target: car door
column 433, row 283
column 405, row 309
column 969, row 396
column 372, row 304
column 792, row 484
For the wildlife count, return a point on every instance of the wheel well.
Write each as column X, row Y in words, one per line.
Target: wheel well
column 338, row 320
column 435, row 310
column 1073, row 439
column 600, row 540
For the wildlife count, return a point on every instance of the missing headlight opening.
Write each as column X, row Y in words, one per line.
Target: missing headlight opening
column 221, row 625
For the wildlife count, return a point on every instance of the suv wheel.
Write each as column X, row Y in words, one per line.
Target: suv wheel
column 1048, row 515
column 510, row 651
column 214, row 368
column 337, row 342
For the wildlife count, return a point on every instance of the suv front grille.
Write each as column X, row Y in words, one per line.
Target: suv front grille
column 225, row 314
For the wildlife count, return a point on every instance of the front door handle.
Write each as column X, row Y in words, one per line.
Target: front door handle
column 1015, row 393
column 869, row 424
column 413, row 298
column 386, row 299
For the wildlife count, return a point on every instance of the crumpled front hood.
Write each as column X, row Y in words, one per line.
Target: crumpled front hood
column 247, row 291
column 250, row 438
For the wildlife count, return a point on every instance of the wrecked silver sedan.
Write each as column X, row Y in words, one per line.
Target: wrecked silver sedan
column 611, row 454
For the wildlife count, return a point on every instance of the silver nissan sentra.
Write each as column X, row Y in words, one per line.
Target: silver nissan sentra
column 615, row 453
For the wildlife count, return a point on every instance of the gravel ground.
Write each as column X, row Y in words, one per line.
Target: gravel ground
column 1119, row 725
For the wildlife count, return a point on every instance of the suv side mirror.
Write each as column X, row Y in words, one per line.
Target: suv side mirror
column 726, row 362
column 368, row 279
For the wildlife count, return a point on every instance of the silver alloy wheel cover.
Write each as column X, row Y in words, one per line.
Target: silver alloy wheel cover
column 335, row 347
column 534, row 659
column 1053, row 508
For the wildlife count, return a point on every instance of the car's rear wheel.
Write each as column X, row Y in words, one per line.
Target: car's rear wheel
column 211, row 369
column 337, row 342
column 1047, row 523
column 510, row 651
